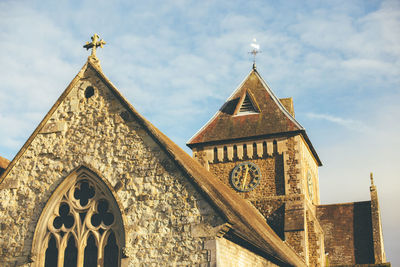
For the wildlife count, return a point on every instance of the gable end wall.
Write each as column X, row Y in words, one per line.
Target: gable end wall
column 166, row 219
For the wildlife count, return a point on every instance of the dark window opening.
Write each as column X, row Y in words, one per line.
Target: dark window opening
column 265, row 153
column 51, row 253
column 90, row 252
column 71, row 253
column 89, row 92
column 111, row 252
column 245, row 156
column 215, row 155
column 275, row 147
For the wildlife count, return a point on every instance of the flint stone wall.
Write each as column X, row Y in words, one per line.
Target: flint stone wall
column 167, row 222
column 271, row 183
column 348, row 232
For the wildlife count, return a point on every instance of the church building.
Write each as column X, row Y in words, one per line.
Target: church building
column 96, row 184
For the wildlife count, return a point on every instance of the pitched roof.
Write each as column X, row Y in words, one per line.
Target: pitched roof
column 246, row 221
column 4, row 162
column 229, row 123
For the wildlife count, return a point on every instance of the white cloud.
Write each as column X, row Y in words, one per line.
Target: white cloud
column 348, row 123
column 178, row 61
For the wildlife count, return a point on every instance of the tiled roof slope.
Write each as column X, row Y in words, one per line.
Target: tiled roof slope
column 3, row 164
column 272, row 118
column 246, row 221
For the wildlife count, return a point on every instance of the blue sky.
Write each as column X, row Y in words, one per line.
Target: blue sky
column 177, row 61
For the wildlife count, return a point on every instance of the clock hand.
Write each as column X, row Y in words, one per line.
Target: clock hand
column 245, row 176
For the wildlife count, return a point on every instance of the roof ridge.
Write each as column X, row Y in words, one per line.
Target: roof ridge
column 278, row 102
column 263, row 86
column 253, row 226
column 221, row 108
column 247, row 222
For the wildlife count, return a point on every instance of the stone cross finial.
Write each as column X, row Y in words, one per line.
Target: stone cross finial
column 94, row 44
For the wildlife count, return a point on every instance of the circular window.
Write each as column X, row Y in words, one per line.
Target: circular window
column 89, row 92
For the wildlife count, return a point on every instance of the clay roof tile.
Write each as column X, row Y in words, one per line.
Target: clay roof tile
column 271, row 116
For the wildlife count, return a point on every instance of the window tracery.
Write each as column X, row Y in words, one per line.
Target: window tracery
column 80, row 226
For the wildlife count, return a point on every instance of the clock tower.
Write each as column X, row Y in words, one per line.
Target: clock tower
column 254, row 145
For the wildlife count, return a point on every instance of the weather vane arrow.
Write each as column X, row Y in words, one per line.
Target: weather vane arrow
column 254, row 51
column 94, row 44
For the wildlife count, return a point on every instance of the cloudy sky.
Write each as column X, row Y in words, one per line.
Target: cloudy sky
column 177, row 61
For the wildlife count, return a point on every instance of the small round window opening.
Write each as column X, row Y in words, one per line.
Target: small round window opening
column 89, row 92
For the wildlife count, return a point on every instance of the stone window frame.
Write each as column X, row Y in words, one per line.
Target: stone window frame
column 63, row 194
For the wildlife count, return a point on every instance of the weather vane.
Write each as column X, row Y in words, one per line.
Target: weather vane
column 94, row 44
column 255, row 51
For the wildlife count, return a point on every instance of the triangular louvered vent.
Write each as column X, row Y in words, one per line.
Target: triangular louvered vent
column 247, row 106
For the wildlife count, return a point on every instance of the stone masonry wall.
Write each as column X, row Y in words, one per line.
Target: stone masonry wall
column 294, row 180
column 274, row 212
column 167, row 220
column 314, row 253
column 296, row 240
column 348, row 232
column 272, row 181
column 308, row 164
column 282, row 193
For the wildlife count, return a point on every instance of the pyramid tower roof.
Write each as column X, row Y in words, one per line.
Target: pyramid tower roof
column 245, row 220
column 251, row 112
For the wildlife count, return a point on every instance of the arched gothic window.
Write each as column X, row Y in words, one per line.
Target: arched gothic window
column 80, row 226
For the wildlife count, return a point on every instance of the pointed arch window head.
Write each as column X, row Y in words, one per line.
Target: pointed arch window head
column 81, row 225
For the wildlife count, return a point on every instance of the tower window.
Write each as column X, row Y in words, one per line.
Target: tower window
column 265, row 153
column 225, row 153
column 275, row 145
column 215, row 155
column 245, row 156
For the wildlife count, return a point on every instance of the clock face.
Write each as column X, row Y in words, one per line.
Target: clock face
column 310, row 185
column 245, row 176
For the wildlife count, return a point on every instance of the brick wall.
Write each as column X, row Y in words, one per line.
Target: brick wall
column 233, row 255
